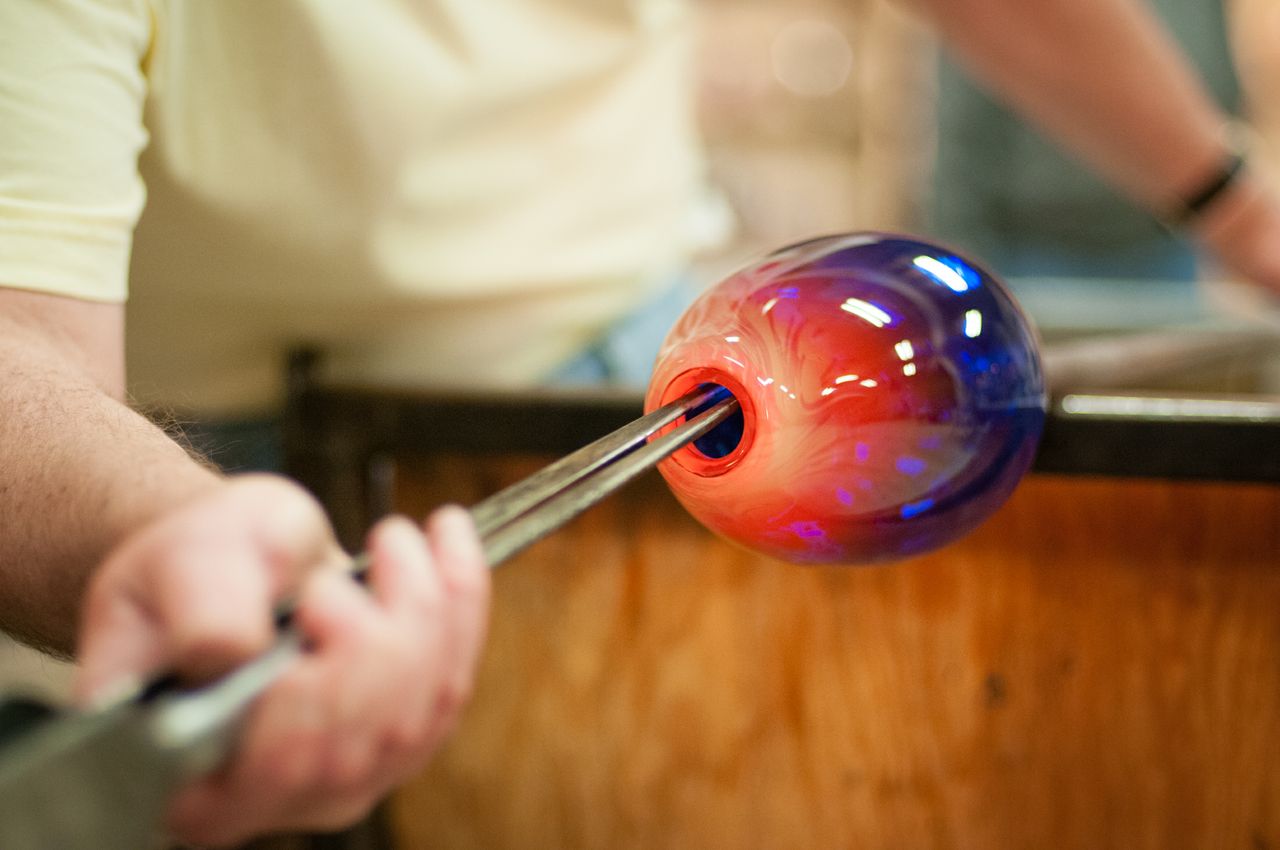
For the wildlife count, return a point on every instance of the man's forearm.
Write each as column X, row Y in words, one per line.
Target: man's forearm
column 78, row 471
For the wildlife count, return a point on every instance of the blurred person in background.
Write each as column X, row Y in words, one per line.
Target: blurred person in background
column 1008, row 194
column 1254, row 31
column 445, row 193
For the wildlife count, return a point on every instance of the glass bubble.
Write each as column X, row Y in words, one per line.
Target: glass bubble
column 891, row 396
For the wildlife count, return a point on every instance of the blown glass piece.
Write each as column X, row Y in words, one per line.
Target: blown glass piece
column 891, row 397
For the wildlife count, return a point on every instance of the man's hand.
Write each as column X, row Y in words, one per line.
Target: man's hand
column 387, row 670
column 1243, row 231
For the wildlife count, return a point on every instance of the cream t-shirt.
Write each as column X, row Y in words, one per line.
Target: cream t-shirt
column 441, row 192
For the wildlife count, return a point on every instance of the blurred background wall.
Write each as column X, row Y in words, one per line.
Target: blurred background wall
column 817, row 114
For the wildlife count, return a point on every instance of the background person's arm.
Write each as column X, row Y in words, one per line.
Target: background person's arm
column 1104, row 78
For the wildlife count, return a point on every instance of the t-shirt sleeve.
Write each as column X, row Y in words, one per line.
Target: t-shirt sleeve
column 72, row 89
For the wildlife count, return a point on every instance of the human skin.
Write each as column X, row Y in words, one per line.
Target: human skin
column 178, row 568
column 329, row 739
column 91, row 490
column 1106, row 81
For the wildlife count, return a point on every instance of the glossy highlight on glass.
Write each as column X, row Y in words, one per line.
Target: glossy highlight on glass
column 891, row 396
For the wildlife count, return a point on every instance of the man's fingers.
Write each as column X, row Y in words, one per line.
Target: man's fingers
column 197, row 610
column 335, row 615
column 411, row 587
column 385, row 671
column 291, row 531
column 195, row 591
column 276, row 768
column 127, row 643
column 301, row 758
column 337, row 731
column 457, row 549
column 214, row 614
column 402, row 575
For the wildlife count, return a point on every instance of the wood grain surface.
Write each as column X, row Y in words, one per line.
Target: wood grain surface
column 1097, row 667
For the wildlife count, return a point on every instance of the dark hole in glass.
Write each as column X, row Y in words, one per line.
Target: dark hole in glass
column 724, row 438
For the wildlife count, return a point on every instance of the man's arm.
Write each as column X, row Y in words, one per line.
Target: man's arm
column 178, row 569
column 168, row 566
column 81, row 470
column 1105, row 79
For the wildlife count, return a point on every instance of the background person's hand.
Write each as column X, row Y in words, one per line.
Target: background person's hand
column 1243, row 232
column 387, row 670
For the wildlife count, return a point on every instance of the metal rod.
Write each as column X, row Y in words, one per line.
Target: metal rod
column 586, row 491
column 1127, row 360
column 523, row 513
column 1170, row 407
column 194, row 728
column 501, row 508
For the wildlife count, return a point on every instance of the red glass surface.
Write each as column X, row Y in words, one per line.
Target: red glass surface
column 891, row 393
